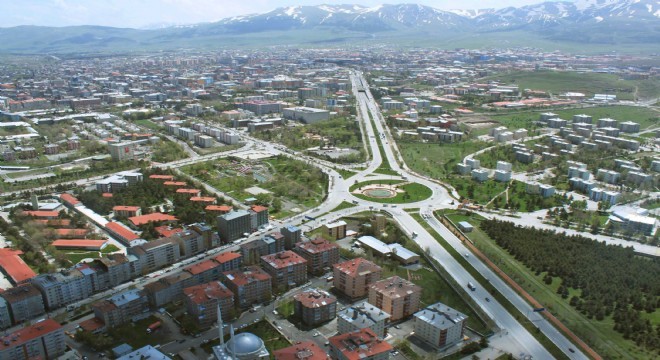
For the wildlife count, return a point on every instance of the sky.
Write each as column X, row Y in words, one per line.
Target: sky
column 153, row 13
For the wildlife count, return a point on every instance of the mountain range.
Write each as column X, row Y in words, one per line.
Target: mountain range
column 604, row 24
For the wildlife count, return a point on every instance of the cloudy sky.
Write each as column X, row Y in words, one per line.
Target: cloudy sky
column 149, row 13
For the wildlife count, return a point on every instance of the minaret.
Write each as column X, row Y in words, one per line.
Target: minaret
column 221, row 326
column 233, row 345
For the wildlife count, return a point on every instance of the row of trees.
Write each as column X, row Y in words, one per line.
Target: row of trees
column 612, row 280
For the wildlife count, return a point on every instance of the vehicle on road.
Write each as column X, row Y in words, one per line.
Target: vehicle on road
column 153, row 327
column 571, row 350
column 471, row 286
column 488, row 299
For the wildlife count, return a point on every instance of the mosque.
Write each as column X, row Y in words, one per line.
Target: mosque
column 244, row 346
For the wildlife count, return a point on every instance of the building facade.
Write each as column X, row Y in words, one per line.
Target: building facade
column 396, row 296
column 354, row 277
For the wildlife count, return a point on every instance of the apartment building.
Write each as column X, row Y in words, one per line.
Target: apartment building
column 305, row 350
column 287, row 269
column 362, row 344
column 292, row 236
column 320, row 255
column 440, row 325
column 233, row 225
column 202, row 300
column 362, row 316
column 315, row 306
column 396, row 296
column 23, row 303
column 42, row 340
column 119, row 309
column 156, row 254
column 250, row 285
column 64, row 287
column 169, row 288
column 336, row 230
column 354, row 277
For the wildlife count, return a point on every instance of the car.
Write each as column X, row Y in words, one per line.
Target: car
column 85, row 357
column 274, row 312
column 397, row 327
column 181, row 341
column 327, row 343
column 488, row 299
column 315, row 334
column 198, row 335
column 571, row 350
column 256, row 321
column 205, row 341
column 279, row 328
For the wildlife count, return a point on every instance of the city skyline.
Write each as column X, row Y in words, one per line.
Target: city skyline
column 162, row 13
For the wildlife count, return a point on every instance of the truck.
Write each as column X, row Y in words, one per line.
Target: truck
column 309, row 217
column 470, row 286
column 153, row 327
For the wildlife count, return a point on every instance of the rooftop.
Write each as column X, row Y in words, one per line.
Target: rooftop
column 440, row 316
column 28, row 333
column 200, row 294
column 226, row 256
column 247, row 275
column 359, row 344
column 153, row 217
column 14, row 266
column 306, row 350
column 357, row 267
column 201, row 267
column 79, row 243
column 122, row 231
column 395, row 286
column 283, row 259
column 317, row 245
column 315, row 298
column 363, row 314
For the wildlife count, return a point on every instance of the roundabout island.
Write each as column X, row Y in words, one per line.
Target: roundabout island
column 390, row 191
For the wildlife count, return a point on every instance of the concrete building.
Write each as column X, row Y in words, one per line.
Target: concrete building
column 362, row 316
column 287, row 269
column 258, row 216
column 156, row 254
column 122, row 308
column 473, row 163
column 582, row 119
column 378, row 222
column 145, row 352
column 23, row 303
column 362, row 345
column 354, row 277
column 62, row 288
column 608, row 176
column 504, row 166
column 250, row 285
column 502, row 175
column 305, row 350
column 122, row 151
column 480, row 175
column 629, row 127
column 634, row 222
column 305, row 114
column 396, row 296
column 320, row 254
column 42, row 340
column 607, row 122
column 233, row 225
column 315, row 306
column 202, row 300
column 336, row 230
column 292, row 236
column 439, row 325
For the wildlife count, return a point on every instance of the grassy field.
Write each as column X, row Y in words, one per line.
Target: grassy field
column 148, row 124
column 343, row 205
column 480, row 193
column 644, row 116
column 345, row 173
column 598, row 334
column 412, row 192
column 436, row 160
column 558, row 82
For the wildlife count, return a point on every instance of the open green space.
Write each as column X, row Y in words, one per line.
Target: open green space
column 412, row 192
column 78, row 256
column 558, row 82
column 479, row 193
column 436, row 160
column 598, row 330
column 167, row 151
column 148, row 124
column 646, row 117
column 342, row 206
column 345, row 174
column 132, row 333
column 545, row 341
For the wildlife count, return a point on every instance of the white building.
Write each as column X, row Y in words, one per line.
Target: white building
column 440, row 325
column 360, row 316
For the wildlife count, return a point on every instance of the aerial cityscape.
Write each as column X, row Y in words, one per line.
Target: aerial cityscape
column 330, row 181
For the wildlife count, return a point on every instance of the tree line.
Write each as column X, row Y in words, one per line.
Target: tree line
column 612, row 280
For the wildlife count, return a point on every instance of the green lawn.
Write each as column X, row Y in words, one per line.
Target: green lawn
column 480, row 193
column 598, row 334
column 148, row 124
column 345, row 173
column 343, row 205
column 76, row 257
column 558, row 82
column 437, row 160
column 412, row 192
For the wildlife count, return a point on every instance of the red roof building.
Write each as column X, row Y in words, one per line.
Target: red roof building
column 107, row 195
column 153, row 217
column 162, row 177
column 306, row 350
column 96, row 245
column 127, row 211
column 353, row 277
column 93, row 325
column 54, row 222
column 42, row 214
column 320, row 255
column 315, row 306
column 175, row 183
column 42, row 340
column 193, row 192
column 123, row 234
column 250, row 285
column 258, row 208
column 287, row 268
column 204, row 199
column 359, row 345
column 69, row 200
column 222, row 209
column 202, row 302
column 14, row 267
column 71, row 233
column 167, row 231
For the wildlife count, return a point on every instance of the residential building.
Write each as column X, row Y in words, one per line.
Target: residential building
column 228, row 261
column 362, row 345
column 440, row 325
column 378, row 222
column 156, row 254
column 63, row 287
column 250, row 285
column 292, row 236
column 234, row 225
column 396, row 296
column 305, row 350
column 363, row 316
column 126, row 211
column 354, row 277
column 169, row 288
column 258, row 216
column 202, row 301
column 502, row 175
column 315, row 306
column 122, row 308
column 41, row 340
column 335, row 230
column 320, row 255
column 287, row 269
column 23, row 303
column 5, row 316
column 305, row 114
column 480, row 175
column 145, row 352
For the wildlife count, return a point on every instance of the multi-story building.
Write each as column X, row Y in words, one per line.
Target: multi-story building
column 156, row 254
column 127, row 306
column 63, row 288
column 250, row 285
column 258, row 216
column 315, row 306
column 305, row 350
column 42, row 340
column 292, row 236
column 361, row 316
column 233, row 225
column 305, row 114
column 126, row 211
column 440, row 325
column 320, row 255
column 228, row 260
column 362, row 344
column 5, row 316
column 287, row 269
column 23, row 303
column 335, row 230
column 396, row 296
column 202, row 302
column 169, row 288
column 354, row 277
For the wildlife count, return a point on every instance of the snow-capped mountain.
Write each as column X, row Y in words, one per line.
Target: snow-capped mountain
column 608, row 22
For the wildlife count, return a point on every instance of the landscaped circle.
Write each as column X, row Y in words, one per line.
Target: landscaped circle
column 391, row 191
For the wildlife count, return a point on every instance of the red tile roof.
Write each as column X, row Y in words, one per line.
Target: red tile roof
column 107, row 195
column 315, row 298
column 161, row 177
column 69, row 199
column 221, row 208
column 79, row 243
column 187, row 191
column 71, row 232
column 258, row 208
column 54, row 222
column 116, row 228
column 226, row 256
column 167, row 231
column 317, row 245
column 357, row 267
column 41, row 213
column 92, row 324
column 359, row 344
column 145, row 219
column 283, row 259
column 30, row 332
column 201, row 267
column 200, row 294
column 306, row 350
column 174, row 183
column 14, row 266
column 247, row 275
column 125, row 208
column 202, row 199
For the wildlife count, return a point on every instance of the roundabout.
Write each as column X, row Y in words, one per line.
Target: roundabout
column 390, row 191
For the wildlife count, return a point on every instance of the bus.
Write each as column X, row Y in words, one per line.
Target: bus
column 470, row 286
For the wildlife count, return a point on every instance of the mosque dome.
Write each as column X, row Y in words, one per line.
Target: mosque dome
column 245, row 344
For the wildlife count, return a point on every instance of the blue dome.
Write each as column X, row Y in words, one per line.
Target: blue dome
column 245, row 343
